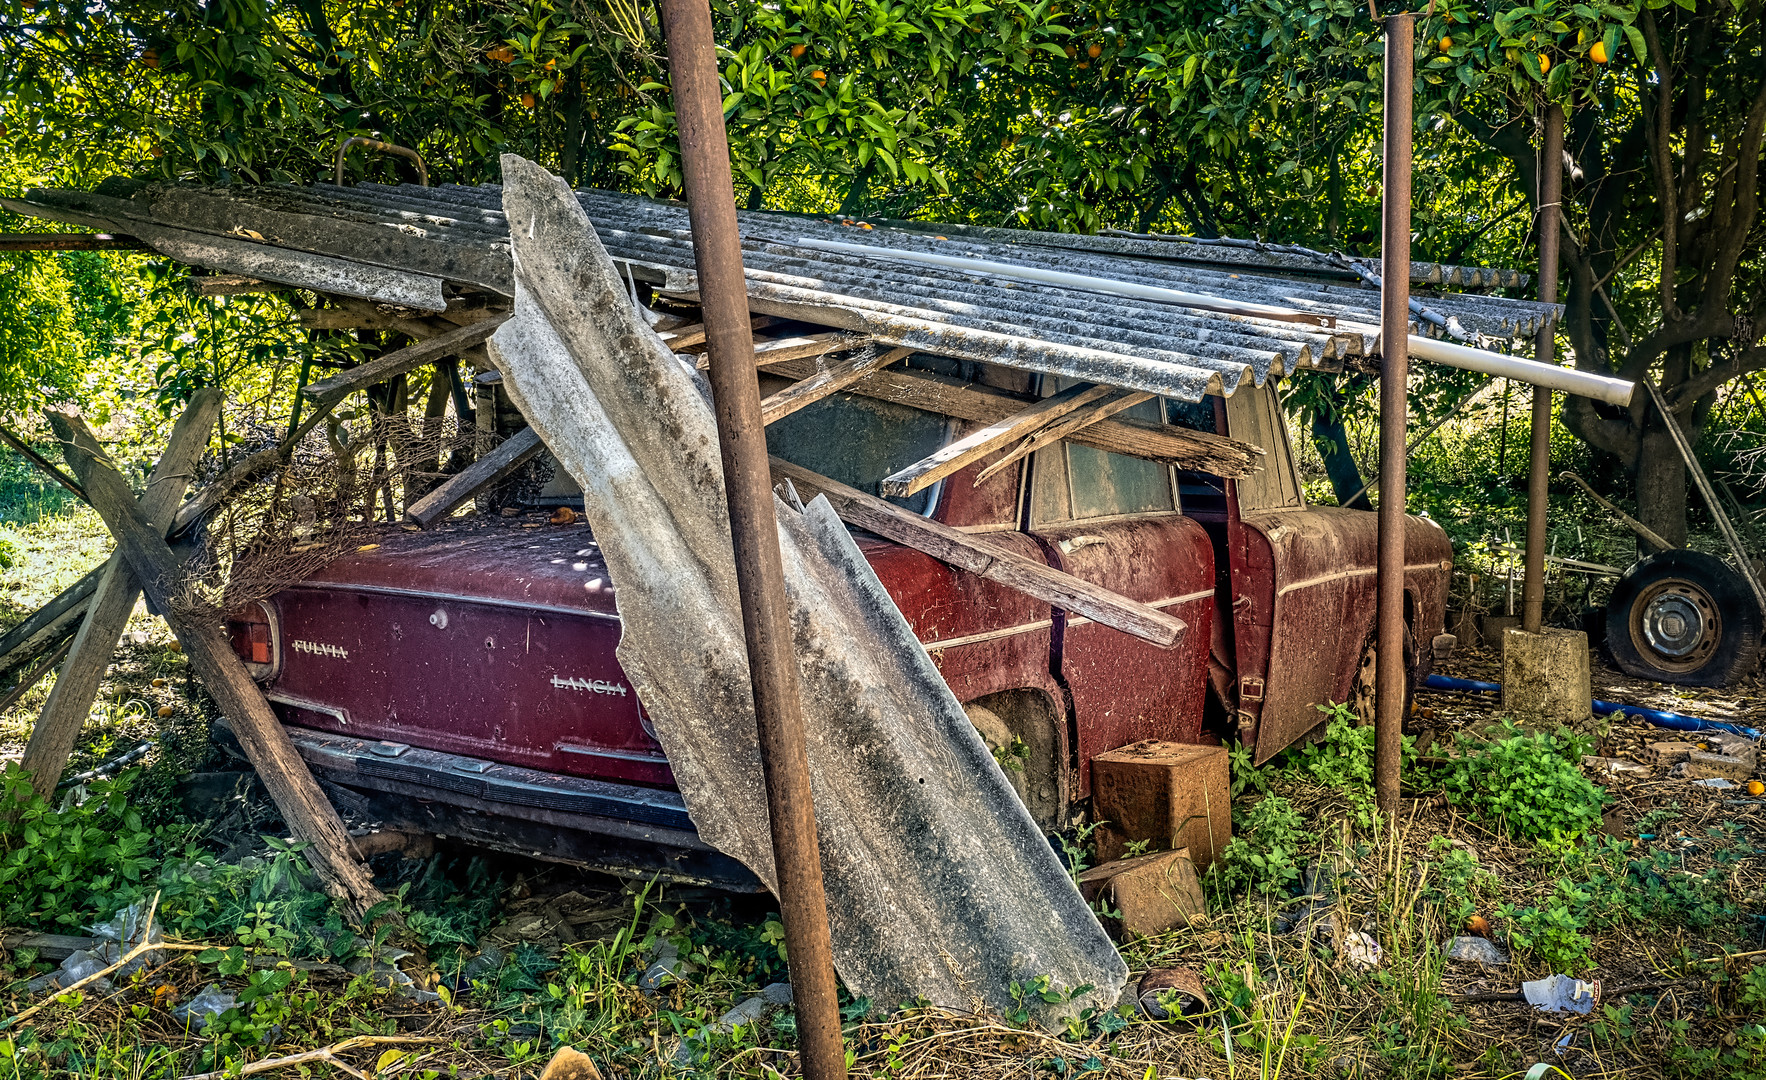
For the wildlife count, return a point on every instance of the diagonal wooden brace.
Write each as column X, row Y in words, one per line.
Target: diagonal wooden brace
column 310, row 817
column 70, row 702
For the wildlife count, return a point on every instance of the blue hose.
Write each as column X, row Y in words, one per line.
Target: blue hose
column 1676, row 721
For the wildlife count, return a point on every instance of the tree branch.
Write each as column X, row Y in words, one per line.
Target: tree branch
column 1697, row 386
column 1659, row 152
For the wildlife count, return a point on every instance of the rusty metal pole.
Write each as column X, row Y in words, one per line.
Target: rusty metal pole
column 754, row 535
column 1551, row 188
column 1390, row 678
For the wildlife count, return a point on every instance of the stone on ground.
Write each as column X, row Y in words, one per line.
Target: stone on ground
column 1546, row 681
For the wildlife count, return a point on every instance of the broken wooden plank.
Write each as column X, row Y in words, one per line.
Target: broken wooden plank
column 1183, row 447
column 309, row 816
column 829, row 380
column 406, row 359
column 33, row 677
column 974, row 446
column 797, row 347
column 976, row 555
column 48, row 623
column 511, row 454
column 684, row 337
column 1081, row 418
column 43, row 463
column 70, row 702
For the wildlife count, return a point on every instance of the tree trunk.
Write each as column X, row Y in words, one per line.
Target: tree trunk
column 1661, row 486
column 1332, row 440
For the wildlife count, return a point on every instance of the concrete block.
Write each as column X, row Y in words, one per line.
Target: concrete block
column 1171, row 795
column 1703, row 765
column 1153, row 893
column 1545, row 680
column 1671, row 752
column 1735, row 746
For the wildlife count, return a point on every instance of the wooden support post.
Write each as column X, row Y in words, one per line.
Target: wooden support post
column 70, row 702
column 43, row 463
column 304, row 808
column 976, row 445
column 511, row 454
column 32, row 677
column 829, row 380
column 49, row 623
column 797, row 347
column 976, row 555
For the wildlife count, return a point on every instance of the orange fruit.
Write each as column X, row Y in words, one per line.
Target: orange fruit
column 154, row 151
column 1756, row 788
column 527, row 101
column 1095, row 51
column 1478, row 924
column 1083, row 64
column 165, row 711
column 1544, row 63
column 150, row 58
column 798, row 50
column 1071, row 52
column 502, row 54
column 819, row 75
column 1446, row 43
column 1599, row 53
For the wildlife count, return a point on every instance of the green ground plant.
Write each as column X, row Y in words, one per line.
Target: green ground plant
column 1528, row 785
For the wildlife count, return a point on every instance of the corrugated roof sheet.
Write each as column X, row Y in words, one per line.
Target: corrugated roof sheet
column 408, row 240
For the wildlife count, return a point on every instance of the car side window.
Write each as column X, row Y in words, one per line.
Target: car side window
column 859, row 440
column 1254, row 415
column 1082, row 483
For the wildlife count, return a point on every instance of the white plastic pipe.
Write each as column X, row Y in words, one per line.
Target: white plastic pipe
column 1569, row 380
column 1076, row 281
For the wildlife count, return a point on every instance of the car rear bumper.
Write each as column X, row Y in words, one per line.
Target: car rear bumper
column 618, row 828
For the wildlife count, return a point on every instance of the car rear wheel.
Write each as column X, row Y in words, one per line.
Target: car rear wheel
column 1025, row 745
column 1683, row 617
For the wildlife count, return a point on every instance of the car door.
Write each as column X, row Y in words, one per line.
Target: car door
column 1116, row 521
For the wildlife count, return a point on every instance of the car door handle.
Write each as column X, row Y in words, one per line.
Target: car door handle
column 1072, row 544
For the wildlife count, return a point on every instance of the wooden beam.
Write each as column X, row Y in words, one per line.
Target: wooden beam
column 1136, row 438
column 70, row 702
column 797, row 347
column 511, row 454
column 1080, row 418
column 683, row 337
column 48, row 624
column 976, row 445
column 232, row 285
column 32, row 677
column 309, row 816
column 43, row 463
column 410, row 357
column 829, row 380
column 972, row 553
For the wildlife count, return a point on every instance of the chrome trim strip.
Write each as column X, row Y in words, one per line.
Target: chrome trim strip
column 342, row 716
column 1338, row 575
column 482, row 601
column 616, row 755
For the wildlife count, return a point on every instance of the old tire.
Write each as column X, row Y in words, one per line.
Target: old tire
column 1024, row 743
column 1683, row 617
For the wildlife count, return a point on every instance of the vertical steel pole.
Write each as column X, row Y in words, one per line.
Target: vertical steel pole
column 1551, row 188
column 1390, row 678
column 760, row 574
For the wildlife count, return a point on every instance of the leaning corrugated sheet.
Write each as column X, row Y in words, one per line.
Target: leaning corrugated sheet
column 407, row 242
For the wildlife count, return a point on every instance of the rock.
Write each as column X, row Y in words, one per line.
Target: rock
column 1153, row 893
column 570, row 1063
column 1545, row 680
column 1670, row 753
column 1703, row 765
column 751, row 1010
column 666, row 968
column 1179, row 988
column 1475, row 950
column 1362, row 951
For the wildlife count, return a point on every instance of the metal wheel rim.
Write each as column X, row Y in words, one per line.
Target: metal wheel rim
column 1675, row 623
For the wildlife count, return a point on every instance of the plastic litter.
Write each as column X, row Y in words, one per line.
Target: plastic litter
column 1561, row 993
column 668, row 967
column 1721, row 783
column 1476, row 950
column 1674, row 721
column 123, row 932
column 204, row 1007
column 1362, row 951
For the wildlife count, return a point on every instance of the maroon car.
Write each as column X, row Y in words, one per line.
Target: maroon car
column 462, row 681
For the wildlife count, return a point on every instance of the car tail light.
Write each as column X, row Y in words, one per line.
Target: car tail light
column 255, row 637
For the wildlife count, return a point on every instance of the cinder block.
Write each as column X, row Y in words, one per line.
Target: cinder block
column 1545, row 679
column 1735, row 746
column 1153, row 893
column 1670, row 753
column 1704, row 766
column 1172, row 795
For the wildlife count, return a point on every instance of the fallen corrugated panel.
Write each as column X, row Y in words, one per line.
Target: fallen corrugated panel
column 939, row 883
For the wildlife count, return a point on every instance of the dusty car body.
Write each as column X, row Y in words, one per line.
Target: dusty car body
column 462, row 681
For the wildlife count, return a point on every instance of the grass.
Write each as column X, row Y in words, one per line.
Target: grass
column 1652, row 897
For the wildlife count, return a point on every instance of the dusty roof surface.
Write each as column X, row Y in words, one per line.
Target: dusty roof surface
column 414, row 247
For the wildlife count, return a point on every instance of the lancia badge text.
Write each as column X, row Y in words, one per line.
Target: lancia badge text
column 596, row 686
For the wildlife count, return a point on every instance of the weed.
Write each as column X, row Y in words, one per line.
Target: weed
column 1528, row 785
column 1553, row 931
column 1264, row 856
